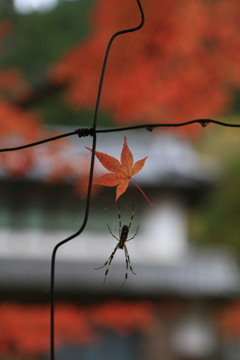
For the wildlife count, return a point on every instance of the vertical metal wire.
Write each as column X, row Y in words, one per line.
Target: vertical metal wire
column 91, row 169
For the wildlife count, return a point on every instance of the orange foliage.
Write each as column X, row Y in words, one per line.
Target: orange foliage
column 14, row 121
column 120, row 172
column 17, row 123
column 12, row 83
column 125, row 317
column 19, row 127
column 25, row 328
column 183, row 64
column 229, row 320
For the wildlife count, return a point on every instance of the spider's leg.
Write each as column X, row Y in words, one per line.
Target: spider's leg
column 130, row 223
column 128, row 259
column 126, row 270
column 120, row 221
column 133, row 235
column 107, row 263
column 112, row 233
column 100, row 267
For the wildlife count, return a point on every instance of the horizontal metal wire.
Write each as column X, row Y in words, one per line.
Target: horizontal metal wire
column 83, row 132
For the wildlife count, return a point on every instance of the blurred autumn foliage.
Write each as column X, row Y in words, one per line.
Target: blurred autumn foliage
column 183, row 64
column 229, row 320
column 25, row 328
column 14, row 121
column 19, row 127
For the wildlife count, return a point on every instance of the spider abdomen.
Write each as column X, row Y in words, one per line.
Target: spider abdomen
column 123, row 236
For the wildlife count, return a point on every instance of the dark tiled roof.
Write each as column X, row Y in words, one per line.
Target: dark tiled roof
column 199, row 275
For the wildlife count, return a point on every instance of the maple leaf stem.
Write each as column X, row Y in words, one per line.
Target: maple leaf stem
column 142, row 192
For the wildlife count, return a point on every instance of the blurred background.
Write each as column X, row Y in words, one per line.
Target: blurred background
column 183, row 304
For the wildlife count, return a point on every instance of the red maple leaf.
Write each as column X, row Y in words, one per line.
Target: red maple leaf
column 120, row 172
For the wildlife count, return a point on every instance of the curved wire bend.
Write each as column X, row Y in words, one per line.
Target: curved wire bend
column 87, row 207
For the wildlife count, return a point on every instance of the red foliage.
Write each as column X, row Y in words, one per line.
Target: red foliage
column 16, row 124
column 229, row 320
column 25, row 328
column 125, row 317
column 12, row 83
column 14, row 121
column 19, row 127
column 5, row 27
column 183, row 64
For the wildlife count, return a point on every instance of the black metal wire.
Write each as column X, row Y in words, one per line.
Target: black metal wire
column 150, row 127
column 94, row 141
column 83, row 132
column 38, row 142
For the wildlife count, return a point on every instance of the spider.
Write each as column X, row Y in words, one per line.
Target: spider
column 123, row 234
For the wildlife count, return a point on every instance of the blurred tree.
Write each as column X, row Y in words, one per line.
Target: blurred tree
column 15, row 122
column 36, row 41
column 217, row 222
column 186, row 53
column 39, row 38
column 20, row 126
column 183, row 64
column 25, row 328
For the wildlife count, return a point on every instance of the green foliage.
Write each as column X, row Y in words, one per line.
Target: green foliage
column 39, row 39
column 55, row 112
column 36, row 42
column 217, row 223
